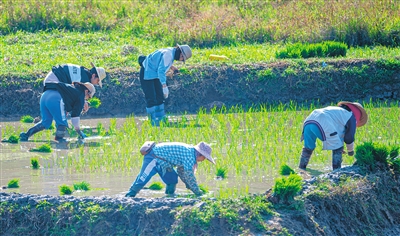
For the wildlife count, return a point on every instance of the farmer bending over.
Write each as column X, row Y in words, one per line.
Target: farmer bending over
column 164, row 157
column 58, row 99
column 333, row 125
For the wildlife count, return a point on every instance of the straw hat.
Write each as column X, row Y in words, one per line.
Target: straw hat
column 91, row 89
column 186, row 51
column 205, row 150
column 361, row 115
column 101, row 72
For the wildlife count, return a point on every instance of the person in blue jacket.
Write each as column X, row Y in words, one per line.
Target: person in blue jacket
column 333, row 125
column 57, row 99
column 153, row 70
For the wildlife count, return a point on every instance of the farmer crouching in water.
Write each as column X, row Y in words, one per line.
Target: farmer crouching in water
column 164, row 157
column 333, row 125
column 153, row 69
column 57, row 99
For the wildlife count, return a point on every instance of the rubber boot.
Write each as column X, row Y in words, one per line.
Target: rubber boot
column 160, row 114
column 170, row 189
column 60, row 133
column 151, row 113
column 305, row 158
column 131, row 193
column 25, row 136
column 337, row 158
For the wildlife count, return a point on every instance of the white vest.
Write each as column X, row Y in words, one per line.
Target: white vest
column 333, row 121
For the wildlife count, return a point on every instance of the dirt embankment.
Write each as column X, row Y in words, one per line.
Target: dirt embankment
column 368, row 206
column 207, row 86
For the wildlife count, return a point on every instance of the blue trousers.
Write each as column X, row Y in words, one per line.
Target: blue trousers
column 52, row 107
column 150, row 167
column 310, row 134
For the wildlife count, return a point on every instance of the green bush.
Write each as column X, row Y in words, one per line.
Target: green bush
column 85, row 186
column 65, row 190
column 286, row 188
column 35, row 163
column 285, row 170
column 27, row 119
column 156, row 186
column 14, row 183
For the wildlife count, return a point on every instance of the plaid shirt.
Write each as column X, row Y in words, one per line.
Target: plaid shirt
column 181, row 155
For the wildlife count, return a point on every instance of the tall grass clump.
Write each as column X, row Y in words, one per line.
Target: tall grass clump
column 222, row 172
column 12, row 139
column 374, row 156
column 94, row 102
column 285, row 169
column 286, row 188
column 46, row 147
column 14, row 183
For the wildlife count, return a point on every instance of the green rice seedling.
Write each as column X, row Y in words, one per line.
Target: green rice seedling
column 203, row 188
column 13, row 139
column 35, row 163
column 156, row 186
column 222, row 172
column 286, row 170
column 65, row 189
column 42, row 148
column 100, row 129
column 85, row 186
column 27, row 119
column 94, row 102
column 286, row 188
column 14, row 183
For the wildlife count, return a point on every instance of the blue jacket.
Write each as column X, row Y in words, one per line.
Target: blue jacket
column 158, row 63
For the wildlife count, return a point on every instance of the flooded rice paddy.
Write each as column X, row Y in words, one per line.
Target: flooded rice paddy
column 54, row 170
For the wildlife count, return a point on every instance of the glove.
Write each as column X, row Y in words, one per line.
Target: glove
column 81, row 134
column 165, row 91
column 351, row 153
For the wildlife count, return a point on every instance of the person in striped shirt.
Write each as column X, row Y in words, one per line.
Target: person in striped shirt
column 164, row 158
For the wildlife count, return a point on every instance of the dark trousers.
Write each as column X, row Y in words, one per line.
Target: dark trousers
column 152, row 90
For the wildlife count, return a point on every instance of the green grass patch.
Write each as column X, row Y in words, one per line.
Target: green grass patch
column 286, row 188
column 222, row 172
column 286, row 170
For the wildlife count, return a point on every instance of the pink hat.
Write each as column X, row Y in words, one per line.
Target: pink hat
column 358, row 111
column 205, row 150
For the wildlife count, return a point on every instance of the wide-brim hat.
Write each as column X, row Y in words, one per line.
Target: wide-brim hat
column 91, row 88
column 205, row 150
column 364, row 116
column 186, row 51
column 101, row 72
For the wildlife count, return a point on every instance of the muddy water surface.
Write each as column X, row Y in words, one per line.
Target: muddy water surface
column 15, row 164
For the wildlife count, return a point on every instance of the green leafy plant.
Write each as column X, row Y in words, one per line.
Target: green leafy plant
column 222, row 172
column 65, row 190
column 35, row 163
column 286, row 188
column 14, row 183
column 42, row 148
column 94, row 102
column 156, row 186
column 286, row 170
column 27, row 119
column 100, row 129
column 85, row 186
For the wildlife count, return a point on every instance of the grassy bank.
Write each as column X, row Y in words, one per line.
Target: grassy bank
column 208, row 23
